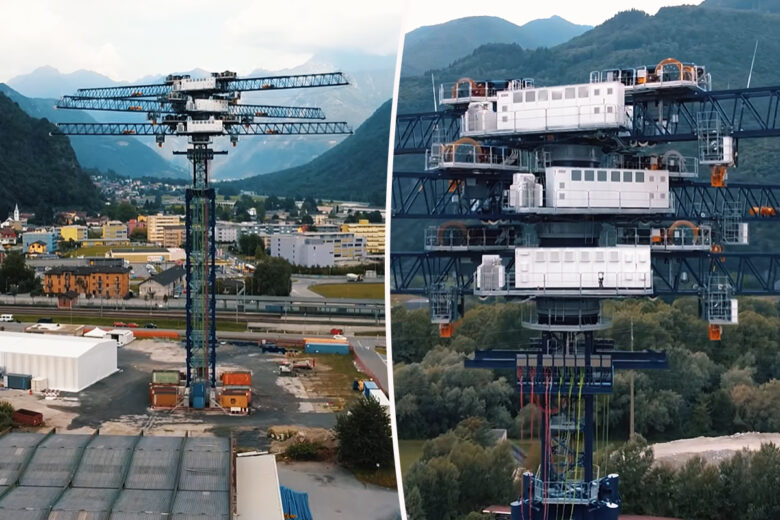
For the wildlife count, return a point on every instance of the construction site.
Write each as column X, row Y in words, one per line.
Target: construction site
column 562, row 197
column 187, row 399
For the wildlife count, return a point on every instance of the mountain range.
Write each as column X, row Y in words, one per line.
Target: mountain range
column 371, row 82
column 355, row 169
column 432, row 46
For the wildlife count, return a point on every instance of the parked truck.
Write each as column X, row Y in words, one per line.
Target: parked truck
column 352, row 277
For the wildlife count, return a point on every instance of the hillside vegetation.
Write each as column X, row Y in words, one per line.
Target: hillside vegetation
column 355, row 169
column 38, row 171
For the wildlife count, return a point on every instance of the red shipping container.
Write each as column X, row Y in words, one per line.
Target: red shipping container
column 237, row 378
column 27, row 417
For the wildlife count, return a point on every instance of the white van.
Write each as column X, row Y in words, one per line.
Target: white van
column 6, row 317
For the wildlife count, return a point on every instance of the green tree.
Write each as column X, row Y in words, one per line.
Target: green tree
column 435, row 479
column 138, row 234
column 273, row 277
column 698, row 491
column 6, row 414
column 632, row 462
column 413, row 334
column 16, row 276
column 364, row 435
column 414, row 504
column 248, row 244
column 764, row 479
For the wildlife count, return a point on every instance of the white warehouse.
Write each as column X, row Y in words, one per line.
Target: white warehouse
column 69, row 363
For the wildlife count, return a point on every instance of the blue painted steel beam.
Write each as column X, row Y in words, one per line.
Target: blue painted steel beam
column 328, row 79
column 415, row 132
column 445, row 195
column 149, row 129
column 750, row 273
column 166, row 107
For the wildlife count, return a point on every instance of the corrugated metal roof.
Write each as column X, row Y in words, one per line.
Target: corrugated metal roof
column 25, row 497
column 205, row 471
column 78, row 515
column 86, row 499
column 11, row 461
column 51, row 467
column 154, row 463
column 201, row 444
column 105, row 461
column 25, row 515
column 66, row 441
column 142, row 501
column 16, row 439
column 200, row 505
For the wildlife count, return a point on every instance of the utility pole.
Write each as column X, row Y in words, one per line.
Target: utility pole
column 631, row 391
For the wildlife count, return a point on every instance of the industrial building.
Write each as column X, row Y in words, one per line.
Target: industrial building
column 68, row 363
column 225, row 232
column 372, row 232
column 319, row 249
column 125, row 477
column 142, row 255
column 174, row 236
column 94, row 280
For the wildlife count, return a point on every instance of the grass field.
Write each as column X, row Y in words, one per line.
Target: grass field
column 410, row 451
column 225, row 325
column 89, row 251
column 382, row 477
column 336, row 383
column 350, row 290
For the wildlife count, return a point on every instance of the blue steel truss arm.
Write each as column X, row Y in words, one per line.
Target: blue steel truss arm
column 129, row 91
column 113, row 129
column 674, row 273
column 143, row 129
column 166, row 107
column 749, row 112
column 414, row 132
column 327, row 79
column 302, row 128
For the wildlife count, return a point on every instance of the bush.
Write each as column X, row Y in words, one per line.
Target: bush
column 303, row 450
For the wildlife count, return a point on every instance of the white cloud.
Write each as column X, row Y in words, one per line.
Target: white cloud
column 127, row 41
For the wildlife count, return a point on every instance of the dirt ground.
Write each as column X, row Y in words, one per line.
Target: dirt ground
column 713, row 449
column 119, row 403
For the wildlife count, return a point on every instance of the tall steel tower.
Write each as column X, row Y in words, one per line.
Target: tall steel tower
column 201, row 109
column 557, row 195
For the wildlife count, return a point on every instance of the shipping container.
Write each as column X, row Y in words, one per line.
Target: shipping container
column 166, row 377
column 233, row 400
column 327, row 348
column 368, row 386
column 20, row 381
column 245, row 390
column 163, row 396
column 237, row 378
column 39, row 384
column 27, row 417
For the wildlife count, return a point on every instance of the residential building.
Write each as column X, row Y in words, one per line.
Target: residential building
column 75, row 233
column 319, row 249
column 47, row 238
column 165, row 284
column 225, row 233
column 114, row 230
column 299, row 249
column 94, row 280
column 174, row 236
column 8, row 237
column 155, row 225
column 374, row 233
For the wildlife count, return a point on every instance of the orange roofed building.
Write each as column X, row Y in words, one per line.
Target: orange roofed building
column 93, row 280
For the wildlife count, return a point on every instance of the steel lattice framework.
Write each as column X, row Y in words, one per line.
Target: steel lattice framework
column 464, row 194
column 201, row 109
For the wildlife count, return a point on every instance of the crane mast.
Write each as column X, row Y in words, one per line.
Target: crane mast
column 201, row 109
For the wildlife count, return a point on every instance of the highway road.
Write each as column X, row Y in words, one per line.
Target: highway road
column 375, row 362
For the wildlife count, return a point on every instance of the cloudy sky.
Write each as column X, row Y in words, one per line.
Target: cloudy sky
column 521, row 11
column 128, row 40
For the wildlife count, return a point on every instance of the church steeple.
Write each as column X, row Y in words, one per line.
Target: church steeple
column 16, row 213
